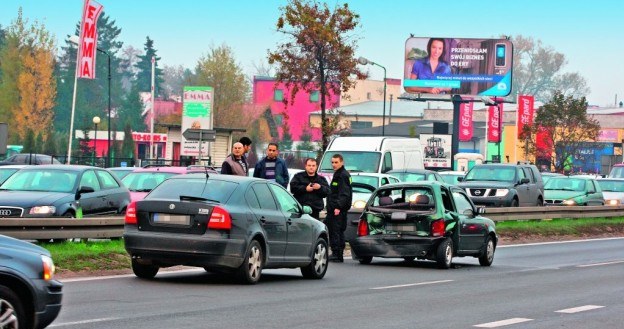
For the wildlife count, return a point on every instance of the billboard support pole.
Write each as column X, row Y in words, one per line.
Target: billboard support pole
column 456, row 99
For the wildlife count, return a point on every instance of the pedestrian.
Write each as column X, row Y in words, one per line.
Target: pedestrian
column 235, row 164
column 338, row 204
column 309, row 188
column 271, row 167
column 246, row 141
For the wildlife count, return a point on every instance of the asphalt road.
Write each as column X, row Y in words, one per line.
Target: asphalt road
column 554, row 285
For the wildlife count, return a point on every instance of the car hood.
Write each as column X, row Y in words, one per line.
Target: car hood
column 485, row 184
column 613, row 195
column 563, row 195
column 27, row 199
column 11, row 243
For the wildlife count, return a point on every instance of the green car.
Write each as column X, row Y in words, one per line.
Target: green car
column 572, row 191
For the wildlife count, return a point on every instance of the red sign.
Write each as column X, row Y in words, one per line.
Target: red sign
column 525, row 112
column 87, row 47
column 465, row 122
column 494, row 123
column 145, row 137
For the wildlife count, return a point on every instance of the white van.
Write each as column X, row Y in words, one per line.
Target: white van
column 373, row 154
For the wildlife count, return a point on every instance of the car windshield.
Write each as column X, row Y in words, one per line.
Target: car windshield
column 42, row 180
column 451, row 179
column 211, row 189
column 565, row 184
column 369, row 180
column 353, row 161
column 145, row 181
column 611, row 185
column 409, row 177
column 491, row 173
column 6, row 173
column 617, row 172
column 121, row 173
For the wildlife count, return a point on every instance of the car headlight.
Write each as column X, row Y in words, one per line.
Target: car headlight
column 359, row 204
column 612, row 202
column 48, row 267
column 502, row 192
column 42, row 210
column 569, row 202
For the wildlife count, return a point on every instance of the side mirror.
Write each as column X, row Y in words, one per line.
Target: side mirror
column 82, row 190
column 469, row 213
column 525, row 181
column 307, row 210
column 460, row 179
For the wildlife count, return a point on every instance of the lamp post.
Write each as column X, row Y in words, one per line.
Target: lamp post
column 96, row 121
column 365, row 61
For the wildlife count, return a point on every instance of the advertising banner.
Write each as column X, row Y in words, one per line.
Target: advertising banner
column 465, row 122
column 436, row 151
column 494, row 123
column 458, row 66
column 196, row 114
column 608, row 135
column 525, row 112
column 87, row 46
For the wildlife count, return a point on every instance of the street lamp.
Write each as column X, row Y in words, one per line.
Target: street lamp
column 96, row 121
column 365, row 61
column 76, row 40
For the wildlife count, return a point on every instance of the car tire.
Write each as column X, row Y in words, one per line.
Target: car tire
column 11, row 310
column 540, row 202
column 488, row 256
column 444, row 254
column 144, row 271
column 365, row 260
column 514, row 203
column 318, row 266
column 250, row 271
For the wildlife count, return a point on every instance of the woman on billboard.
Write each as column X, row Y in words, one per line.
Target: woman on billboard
column 427, row 68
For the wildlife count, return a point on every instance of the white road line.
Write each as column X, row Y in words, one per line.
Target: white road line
column 411, row 284
column 602, row 264
column 81, row 322
column 556, row 242
column 579, row 309
column 502, row 323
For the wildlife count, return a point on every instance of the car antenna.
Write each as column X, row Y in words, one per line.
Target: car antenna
column 206, row 181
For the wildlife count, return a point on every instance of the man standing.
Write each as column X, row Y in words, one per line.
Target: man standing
column 272, row 167
column 234, row 163
column 338, row 204
column 246, row 141
column 309, row 188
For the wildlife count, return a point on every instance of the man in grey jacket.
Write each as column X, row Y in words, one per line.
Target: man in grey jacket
column 235, row 163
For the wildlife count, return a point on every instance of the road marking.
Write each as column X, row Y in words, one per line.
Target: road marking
column 411, row 284
column 556, row 242
column 502, row 323
column 602, row 264
column 579, row 309
column 81, row 322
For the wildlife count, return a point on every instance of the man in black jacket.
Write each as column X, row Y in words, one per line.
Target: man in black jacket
column 338, row 204
column 309, row 188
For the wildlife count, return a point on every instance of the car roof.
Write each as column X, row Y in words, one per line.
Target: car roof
column 123, row 168
column 61, row 167
column 229, row 178
column 411, row 170
column 175, row 170
column 449, row 172
column 573, row 177
column 14, row 166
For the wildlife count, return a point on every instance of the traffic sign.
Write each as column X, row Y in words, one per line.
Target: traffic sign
column 208, row 135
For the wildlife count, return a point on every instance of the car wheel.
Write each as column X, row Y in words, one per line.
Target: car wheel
column 318, row 266
column 69, row 214
column 251, row 269
column 444, row 254
column 11, row 310
column 365, row 260
column 144, row 271
column 488, row 257
column 514, row 203
column 540, row 202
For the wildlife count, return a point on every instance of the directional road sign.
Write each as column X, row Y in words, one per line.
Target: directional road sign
column 207, row 135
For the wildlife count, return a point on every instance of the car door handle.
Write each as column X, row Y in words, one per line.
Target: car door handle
column 262, row 220
column 289, row 221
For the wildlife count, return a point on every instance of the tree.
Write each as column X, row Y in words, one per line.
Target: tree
column 29, row 141
column 561, row 126
column 174, row 78
column 127, row 147
column 49, row 146
column 320, row 52
column 287, row 141
column 537, row 71
column 144, row 69
column 306, row 141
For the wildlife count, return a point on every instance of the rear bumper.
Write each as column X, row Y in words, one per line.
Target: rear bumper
column 393, row 246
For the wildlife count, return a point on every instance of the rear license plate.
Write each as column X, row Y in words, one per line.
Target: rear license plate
column 171, row 219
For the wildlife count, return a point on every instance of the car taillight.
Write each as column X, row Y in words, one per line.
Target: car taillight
column 220, row 219
column 438, row 228
column 363, row 227
column 131, row 216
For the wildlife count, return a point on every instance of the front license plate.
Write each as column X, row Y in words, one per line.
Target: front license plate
column 172, row 219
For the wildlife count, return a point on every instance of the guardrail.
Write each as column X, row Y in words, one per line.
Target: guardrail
column 112, row 227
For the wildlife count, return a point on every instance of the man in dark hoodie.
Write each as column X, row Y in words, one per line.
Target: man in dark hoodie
column 309, row 188
column 235, row 163
column 338, row 204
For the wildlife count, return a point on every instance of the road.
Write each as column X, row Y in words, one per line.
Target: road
column 554, row 285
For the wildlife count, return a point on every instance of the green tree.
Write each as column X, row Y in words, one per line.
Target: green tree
column 39, row 142
column 561, row 125
column 29, row 142
column 320, row 52
column 127, row 147
column 132, row 110
column 144, row 69
column 306, row 141
column 287, row 141
column 49, row 146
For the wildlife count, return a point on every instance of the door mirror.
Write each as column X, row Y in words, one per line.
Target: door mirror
column 468, row 212
column 460, row 179
column 525, row 181
column 307, row 210
column 82, row 190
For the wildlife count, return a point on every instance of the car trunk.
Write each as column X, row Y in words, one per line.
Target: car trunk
column 186, row 217
column 406, row 222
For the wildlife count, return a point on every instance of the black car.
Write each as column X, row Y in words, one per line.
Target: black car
column 62, row 190
column 29, row 159
column 29, row 295
column 224, row 223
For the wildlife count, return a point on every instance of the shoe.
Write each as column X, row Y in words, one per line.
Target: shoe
column 336, row 259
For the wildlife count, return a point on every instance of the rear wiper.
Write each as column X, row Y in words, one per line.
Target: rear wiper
column 142, row 190
column 196, row 198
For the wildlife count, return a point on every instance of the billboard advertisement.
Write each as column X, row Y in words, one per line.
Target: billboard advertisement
column 436, row 151
column 196, row 114
column 480, row 67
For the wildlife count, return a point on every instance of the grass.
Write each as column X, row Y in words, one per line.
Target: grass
column 564, row 226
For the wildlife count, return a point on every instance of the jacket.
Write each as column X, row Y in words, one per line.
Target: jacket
column 231, row 167
column 314, row 199
column 341, row 194
column 281, row 171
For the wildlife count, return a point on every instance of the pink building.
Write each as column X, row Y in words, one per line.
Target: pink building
column 163, row 108
column 268, row 94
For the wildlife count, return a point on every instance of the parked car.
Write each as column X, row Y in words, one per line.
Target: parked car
column 141, row 181
column 8, row 170
column 224, row 223
column 121, row 172
column 424, row 220
column 504, row 185
column 291, row 172
column 612, row 190
column 617, row 171
column 29, row 159
column 452, row 177
column 30, row 297
column 62, row 190
column 415, row 175
column 548, row 175
column 573, row 191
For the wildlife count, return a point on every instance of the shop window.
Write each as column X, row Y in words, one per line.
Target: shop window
column 278, row 95
column 314, row 97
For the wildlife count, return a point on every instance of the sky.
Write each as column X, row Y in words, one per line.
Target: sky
column 588, row 33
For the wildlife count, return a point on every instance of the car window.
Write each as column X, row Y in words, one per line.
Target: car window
column 492, row 173
column 384, row 181
column 368, row 180
column 528, row 174
column 20, row 158
column 590, row 187
column 436, row 177
column 446, row 200
column 521, row 174
column 41, row 180
column 387, row 162
column 285, row 200
column 394, row 180
column 107, row 180
column 90, row 180
column 212, row 189
column 264, row 196
column 461, row 202
column 251, row 198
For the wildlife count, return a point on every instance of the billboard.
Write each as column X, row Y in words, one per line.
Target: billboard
column 436, row 150
column 480, row 67
column 196, row 114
